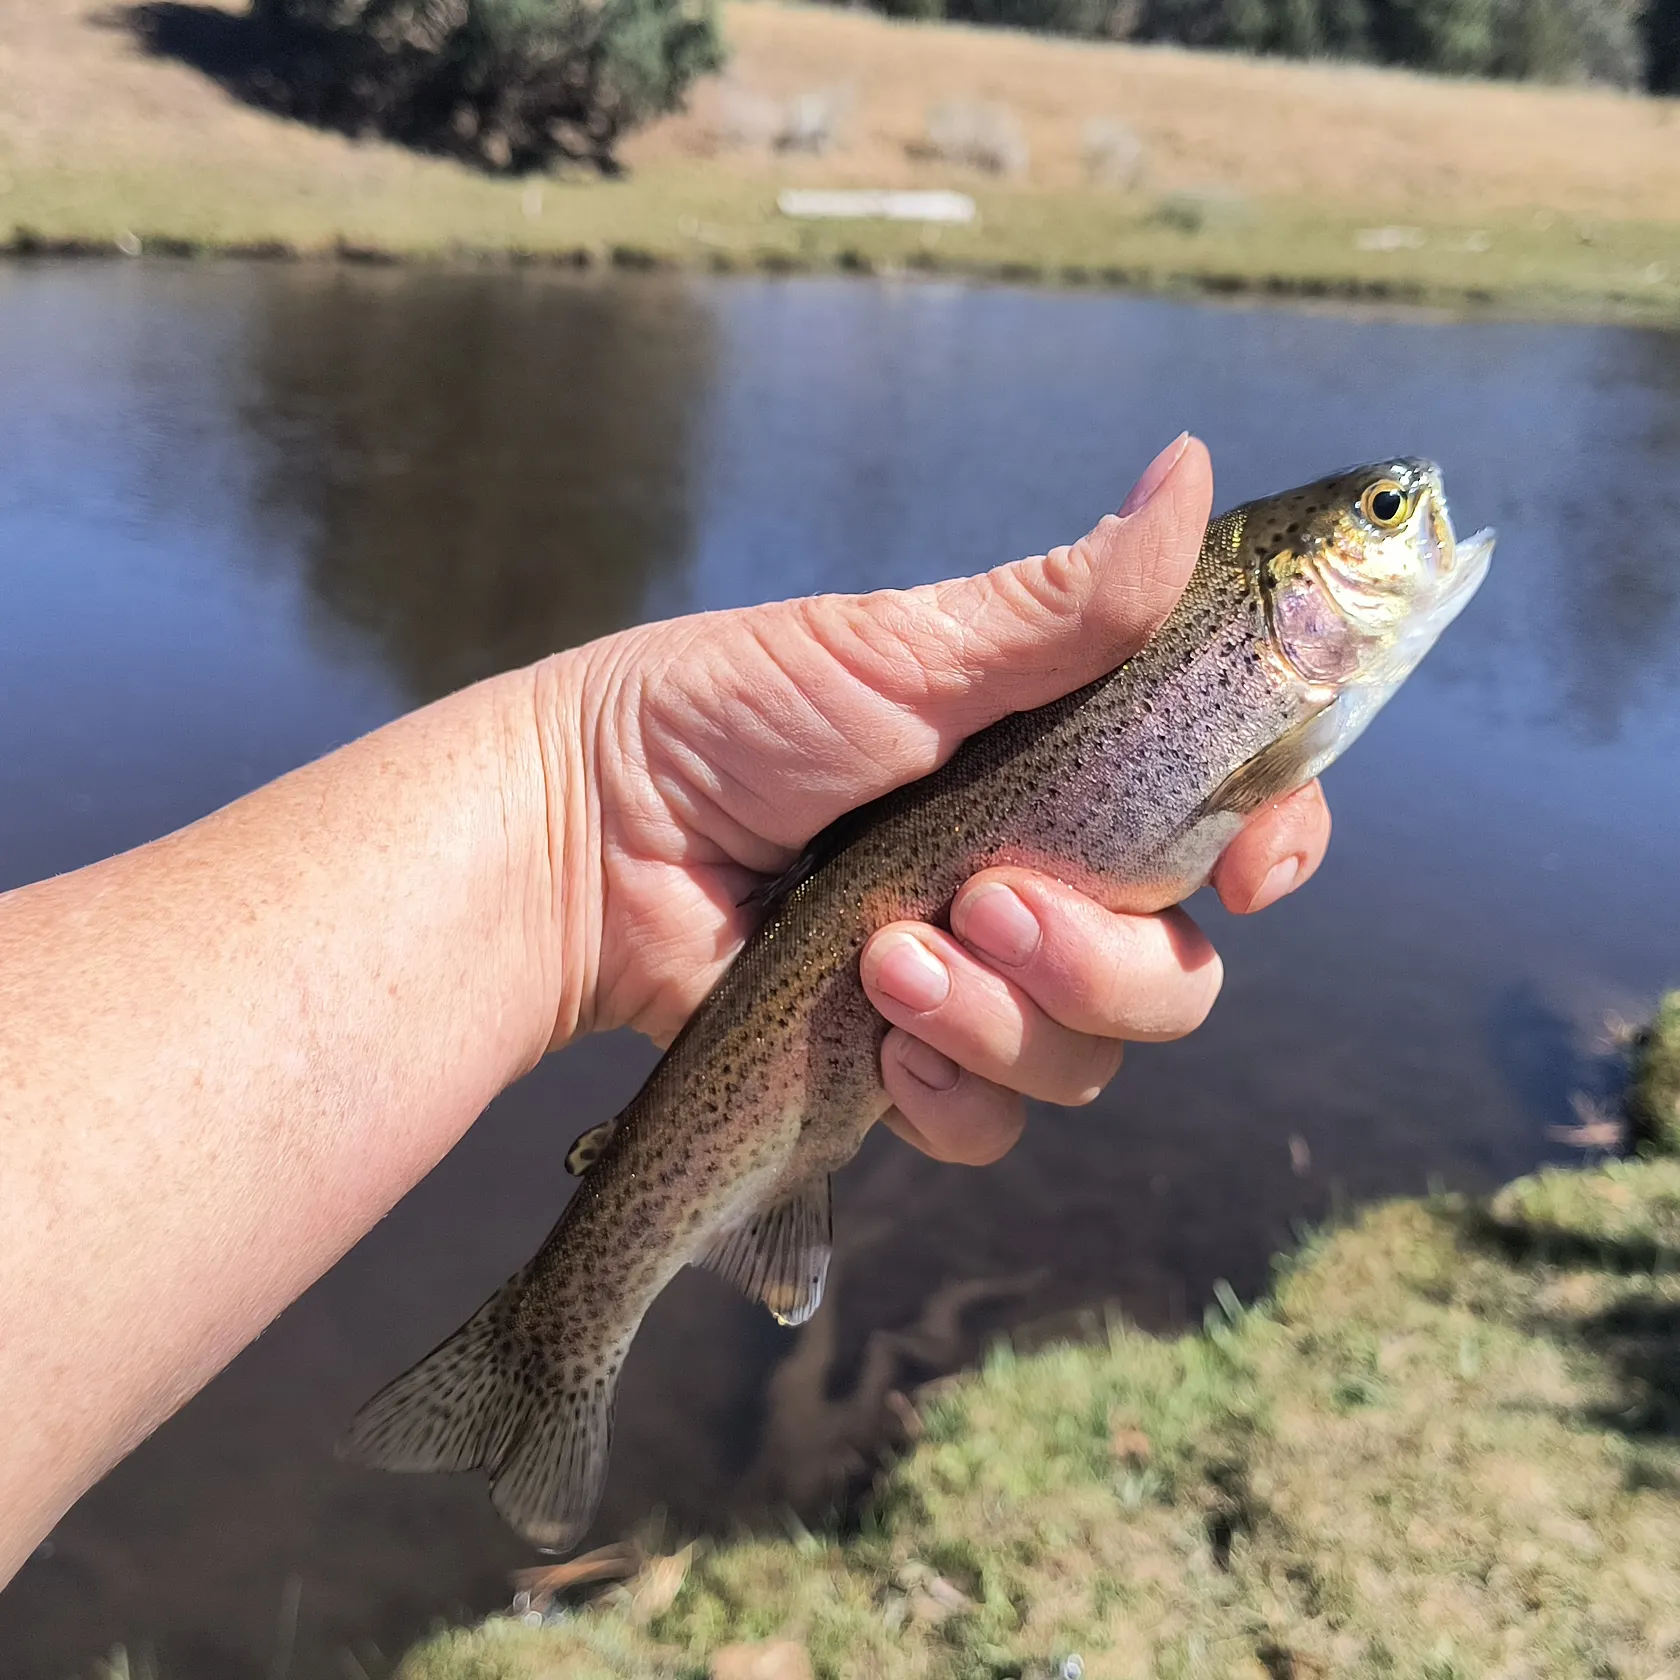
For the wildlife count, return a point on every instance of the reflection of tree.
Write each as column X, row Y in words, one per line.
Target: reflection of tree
column 488, row 466
column 1617, row 600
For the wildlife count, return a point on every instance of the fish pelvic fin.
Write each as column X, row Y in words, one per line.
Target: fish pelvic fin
column 780, row 1255
column 489, row 1398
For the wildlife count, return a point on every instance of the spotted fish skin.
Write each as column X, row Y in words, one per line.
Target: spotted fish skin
column 1128, row 788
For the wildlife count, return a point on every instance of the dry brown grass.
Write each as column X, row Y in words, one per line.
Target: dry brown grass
column 78, row 90
column 1380, row 142
column 1253, row 174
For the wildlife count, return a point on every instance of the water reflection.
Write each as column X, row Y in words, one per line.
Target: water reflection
column 1616, row 600
column 246, row 513
column 478, row 469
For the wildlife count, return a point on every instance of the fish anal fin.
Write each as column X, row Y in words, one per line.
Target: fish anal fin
column 780, row 1255
column 588, row 1148
column 1289, row 762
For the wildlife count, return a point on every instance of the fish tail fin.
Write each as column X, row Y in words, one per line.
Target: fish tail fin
column 548, row 1479
column 450, row 1411
column 490, row 1398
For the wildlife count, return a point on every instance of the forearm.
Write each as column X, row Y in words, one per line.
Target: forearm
column 225, row 1055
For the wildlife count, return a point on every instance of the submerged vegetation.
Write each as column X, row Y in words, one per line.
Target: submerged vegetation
column 1447, row 1444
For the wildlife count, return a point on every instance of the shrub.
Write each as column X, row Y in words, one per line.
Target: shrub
column 1571, row 41
column 1625, row 42
column 1052, row 17
column 513, row 84
column 1660, row 28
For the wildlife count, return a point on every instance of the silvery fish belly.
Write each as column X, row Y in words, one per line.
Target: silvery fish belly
column 1304, row 613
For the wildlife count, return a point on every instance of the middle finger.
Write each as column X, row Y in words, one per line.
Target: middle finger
column 923, row 981
column 1148, row 978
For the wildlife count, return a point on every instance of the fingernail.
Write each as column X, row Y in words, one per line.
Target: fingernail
column 1154, row 476
column 998, row 925
column 922, row 1062
column 1279, row 880
column 909, row 973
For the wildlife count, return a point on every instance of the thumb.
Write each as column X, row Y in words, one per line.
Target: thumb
column 974, row 649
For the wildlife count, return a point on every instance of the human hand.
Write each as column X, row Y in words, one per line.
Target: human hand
column 687, row 759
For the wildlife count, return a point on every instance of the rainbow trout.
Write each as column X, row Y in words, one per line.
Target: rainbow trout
column 1304, row 613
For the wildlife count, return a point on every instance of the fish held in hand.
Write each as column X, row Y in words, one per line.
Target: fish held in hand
column 1303, row 615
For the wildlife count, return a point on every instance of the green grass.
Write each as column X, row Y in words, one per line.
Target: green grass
column 1654, row 1097
column 1447, row 1444
column 1257, row 176
column 687, row 215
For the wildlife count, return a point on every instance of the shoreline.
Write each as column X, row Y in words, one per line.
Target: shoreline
column 1236, row 178
column 1444, row 300
column 1446, row 1442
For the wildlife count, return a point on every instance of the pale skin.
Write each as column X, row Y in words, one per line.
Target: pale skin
column 225, row 1055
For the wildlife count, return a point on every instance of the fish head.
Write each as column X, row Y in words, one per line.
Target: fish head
column 1360, row 573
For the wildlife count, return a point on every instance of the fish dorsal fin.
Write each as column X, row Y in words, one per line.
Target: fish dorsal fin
column 773, row 892
column 1292, row 760
column 588, row 1148
column 780, row 1255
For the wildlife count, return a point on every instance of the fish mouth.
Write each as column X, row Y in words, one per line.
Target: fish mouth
column 1455, row 568
column 1460, row 578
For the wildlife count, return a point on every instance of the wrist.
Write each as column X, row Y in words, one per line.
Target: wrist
column 564, row 901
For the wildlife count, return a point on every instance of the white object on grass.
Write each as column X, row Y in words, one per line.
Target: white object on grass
column 878, row 205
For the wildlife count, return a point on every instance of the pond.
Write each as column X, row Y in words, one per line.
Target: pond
column 248, row 512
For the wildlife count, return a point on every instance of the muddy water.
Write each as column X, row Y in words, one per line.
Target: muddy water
column 246, row 513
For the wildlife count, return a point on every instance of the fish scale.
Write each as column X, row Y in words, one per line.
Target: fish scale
column 1128, row 788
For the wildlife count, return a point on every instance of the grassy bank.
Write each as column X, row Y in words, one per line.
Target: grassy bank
column 1447, row 1445
column 1291, row 178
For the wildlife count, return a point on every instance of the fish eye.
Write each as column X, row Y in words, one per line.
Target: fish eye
column 1384, row 504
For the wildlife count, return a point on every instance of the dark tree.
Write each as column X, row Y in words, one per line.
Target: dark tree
column 1625, row 42
column 514, row 84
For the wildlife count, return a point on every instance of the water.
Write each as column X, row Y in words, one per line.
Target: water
column 247, row 513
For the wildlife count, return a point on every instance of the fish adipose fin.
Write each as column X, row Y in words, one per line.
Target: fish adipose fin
column 780, row 1255
column 588, row 1148
column 487, row 1399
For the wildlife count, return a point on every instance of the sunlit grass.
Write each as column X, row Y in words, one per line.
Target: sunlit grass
column 683, row 215
column 1654, row 1100
column 1447, row 1444
column 1258, row 177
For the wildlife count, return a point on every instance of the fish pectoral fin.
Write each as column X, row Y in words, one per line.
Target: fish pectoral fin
column 780, row 1255
column 1288, row 763
column 588, row 1148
